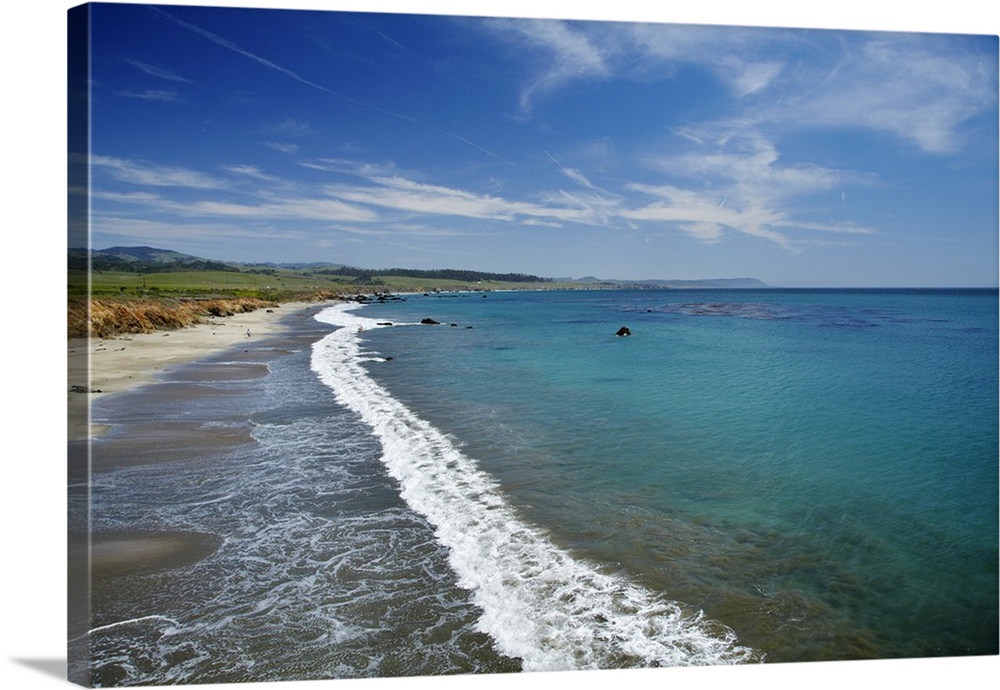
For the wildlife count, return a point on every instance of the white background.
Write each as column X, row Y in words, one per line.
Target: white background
column 33, row 114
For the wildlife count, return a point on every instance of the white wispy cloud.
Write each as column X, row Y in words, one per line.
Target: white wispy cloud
column 291, row 127
column 252, row 171
column 283, row 147
column 746, row 78
column 295, row 208
column 700, row 214
column 159, row 72
column 570, row 51
column 161, row 95
column 598, row 206
column 917, row 87
column 355, row 168
column 407, row 230
column 734, row 178
column 138, row 198
column 383, row 186
column 402, row 194
column 573, row 174
column 292, row 208
column 749, row 162
column 130, row 230
column 272, row 197
column 729, row 181
column 566, row 54
column 144, row 173
column 746, row 60
column 757, row 198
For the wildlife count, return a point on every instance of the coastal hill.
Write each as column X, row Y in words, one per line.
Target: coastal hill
column 150, row 260
column 115, row 263
column 140, row 289
column 703, row 284
column 146, row 259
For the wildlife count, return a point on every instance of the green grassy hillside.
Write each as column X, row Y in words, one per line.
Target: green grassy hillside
column 137, row 288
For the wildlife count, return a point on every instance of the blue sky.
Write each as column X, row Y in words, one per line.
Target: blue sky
column 561, row 148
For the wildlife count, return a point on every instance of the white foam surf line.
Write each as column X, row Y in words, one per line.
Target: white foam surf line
column 131, row 621
column 539, row 603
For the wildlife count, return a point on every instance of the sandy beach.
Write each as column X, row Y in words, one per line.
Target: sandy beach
column 117, row 364
column 101, row 367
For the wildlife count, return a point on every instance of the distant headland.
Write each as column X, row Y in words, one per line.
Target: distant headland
column 146, row 288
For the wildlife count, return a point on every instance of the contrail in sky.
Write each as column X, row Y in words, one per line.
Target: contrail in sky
column 392, row 41
column 218, row 40
column 229, row 45
column 472, row 144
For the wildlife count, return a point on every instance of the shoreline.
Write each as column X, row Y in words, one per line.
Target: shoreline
column 99, row 560
column 102, row 366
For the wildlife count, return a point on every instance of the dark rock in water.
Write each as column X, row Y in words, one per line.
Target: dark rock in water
column 388, row 359
column 430, row 322
column 454, row 325
column 623, row 331
column 384, row 323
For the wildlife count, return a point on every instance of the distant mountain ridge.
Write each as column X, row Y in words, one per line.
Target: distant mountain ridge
column 730, row 283
column 705, row 283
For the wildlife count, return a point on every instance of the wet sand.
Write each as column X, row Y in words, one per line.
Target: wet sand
column 183, row 365
column 120, row 554
column 102, row 366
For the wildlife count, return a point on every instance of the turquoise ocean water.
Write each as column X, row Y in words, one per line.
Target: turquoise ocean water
column 776, row 475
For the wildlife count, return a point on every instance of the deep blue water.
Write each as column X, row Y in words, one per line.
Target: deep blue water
column 815, row 469
column 777, row 475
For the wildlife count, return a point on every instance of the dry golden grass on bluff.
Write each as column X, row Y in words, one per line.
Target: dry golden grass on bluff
column 111, row 317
